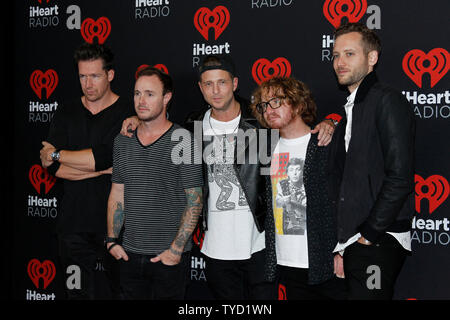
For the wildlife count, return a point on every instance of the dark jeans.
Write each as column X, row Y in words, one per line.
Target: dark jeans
column 295, row 280
column 371, row 271
column 239, row 279
column 141, row 279
column 97, row 278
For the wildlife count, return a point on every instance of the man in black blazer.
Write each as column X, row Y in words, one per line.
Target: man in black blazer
column 376, row 144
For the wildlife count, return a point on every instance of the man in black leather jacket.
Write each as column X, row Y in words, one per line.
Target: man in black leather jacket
column 235, row 208
column 376, row 142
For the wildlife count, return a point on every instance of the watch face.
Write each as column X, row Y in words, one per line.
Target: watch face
column 55, row 156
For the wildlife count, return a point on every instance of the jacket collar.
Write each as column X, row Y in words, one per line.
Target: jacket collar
column 367, row 83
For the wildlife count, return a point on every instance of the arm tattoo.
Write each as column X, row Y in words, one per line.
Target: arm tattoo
column 189, row 219
column 118, row 219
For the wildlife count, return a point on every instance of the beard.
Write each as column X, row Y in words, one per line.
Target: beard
column 92, row 97
column 280, row 123
column 354, row 77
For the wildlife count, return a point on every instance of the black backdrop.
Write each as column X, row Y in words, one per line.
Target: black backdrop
column 265, row 38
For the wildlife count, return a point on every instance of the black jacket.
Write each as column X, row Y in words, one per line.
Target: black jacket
column 248, row 173
column 320, row 217
column 377, row 176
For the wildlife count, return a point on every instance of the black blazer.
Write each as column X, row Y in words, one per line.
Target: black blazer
column 377, row 174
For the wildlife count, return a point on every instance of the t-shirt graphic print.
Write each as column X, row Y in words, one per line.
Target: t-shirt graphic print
column 289, row 201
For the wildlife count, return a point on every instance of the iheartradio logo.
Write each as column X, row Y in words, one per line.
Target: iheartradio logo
column 435, row 188
column 436, row 63
column 282, row 292
column 335, row 10
column 264, row 70
column 45, row 271
column 218, row 19
column 39, row 176
column 100, row 29
column 40, row 80
column 159, row 66
column 40, row 1
column 334, row 116
column 198, row 236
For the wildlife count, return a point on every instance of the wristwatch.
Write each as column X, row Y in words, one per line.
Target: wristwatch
column 335, row 122
column 55, row 155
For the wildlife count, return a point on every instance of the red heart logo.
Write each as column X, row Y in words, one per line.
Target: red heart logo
column 48, row 80
column 437, row 190
column 282, row 292
column 38, row 176
column 159, row 66
column 198, row 236
column 414, row 65
column 334, row 10
column 218, row 19
column 334, row 116
column 45, row 271
column 264, row 70
column 100, row 29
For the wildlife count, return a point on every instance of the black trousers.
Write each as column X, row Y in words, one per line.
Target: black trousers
column 141, row 279
column 371, row 270
column 90, row 272
column 295, row 280
column 239, row 279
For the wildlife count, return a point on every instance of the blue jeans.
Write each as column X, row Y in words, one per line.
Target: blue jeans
column 141, row 279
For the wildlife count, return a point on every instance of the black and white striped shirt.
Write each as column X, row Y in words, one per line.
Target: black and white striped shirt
column 154, row 197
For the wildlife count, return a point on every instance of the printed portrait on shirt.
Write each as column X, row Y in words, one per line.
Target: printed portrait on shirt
column 289, row 195
column 225, row 188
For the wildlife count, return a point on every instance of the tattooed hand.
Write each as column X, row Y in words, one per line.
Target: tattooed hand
column 194, row 204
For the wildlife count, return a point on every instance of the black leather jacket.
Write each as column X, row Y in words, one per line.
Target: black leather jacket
column 377, row 181
column 248, row 173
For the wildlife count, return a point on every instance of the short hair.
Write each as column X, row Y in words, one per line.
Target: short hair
column 295, row 162
column 165, row 79
column 296, row 93
column 213, row 62
column 93, row 51
column 370, row 39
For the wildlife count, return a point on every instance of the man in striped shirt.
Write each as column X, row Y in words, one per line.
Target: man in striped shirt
column 154, row 201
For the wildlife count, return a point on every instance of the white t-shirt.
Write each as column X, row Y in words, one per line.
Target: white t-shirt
column 232, row 233
column 289, row 201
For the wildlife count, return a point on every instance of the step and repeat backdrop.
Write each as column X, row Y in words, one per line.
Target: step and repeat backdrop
column 265, row 38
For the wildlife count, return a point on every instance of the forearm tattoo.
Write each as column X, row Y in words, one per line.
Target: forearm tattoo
column 118, row 219
column 189, row 219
